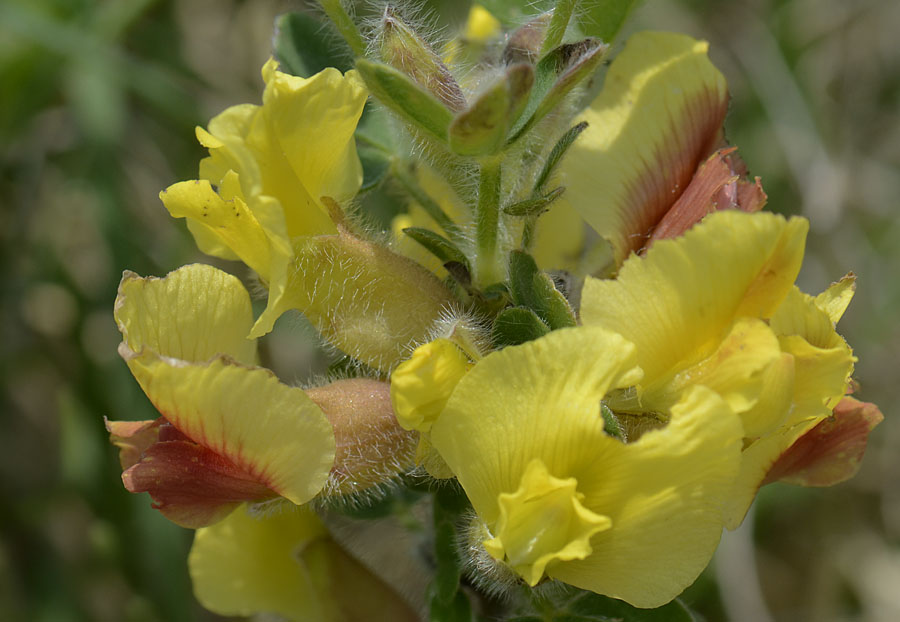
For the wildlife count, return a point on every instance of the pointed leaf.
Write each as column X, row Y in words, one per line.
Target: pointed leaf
column 556, row 75
column 535, row 206
column 407, row 99
column 518, row 325
column 533, row 289
column 480, row 129
column 559, row 150
column 438, row 245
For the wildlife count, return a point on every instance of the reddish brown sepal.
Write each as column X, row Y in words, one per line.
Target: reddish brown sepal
column 831, row 452
column 133, row 438
column 191, row 485
column 718, row 184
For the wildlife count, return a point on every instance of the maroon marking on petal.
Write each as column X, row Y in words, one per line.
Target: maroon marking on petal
column 669, row 174
column 712, row 188
column 831, row 452
column 191, row 485
column 133, row 437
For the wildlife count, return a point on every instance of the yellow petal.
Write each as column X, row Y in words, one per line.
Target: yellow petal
column 193, row 314
column 656, row 119
column 663, row 494
column 542, row 522
column 734, row 370
column 368, row 301
column 228, row 222
column 422, row 384
column 271, row 431
column 285, row 564
column 678, row 302
column 835, row 300
column 313, row 121
column 540, row 400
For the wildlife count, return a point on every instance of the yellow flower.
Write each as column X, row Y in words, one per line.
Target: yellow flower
column 230, row 432
column 717, row 307
column 268, row 169
column 288, row 565
column 422, row 384
column 559, row 497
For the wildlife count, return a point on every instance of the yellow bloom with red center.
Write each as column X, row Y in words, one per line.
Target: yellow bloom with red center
column 231, row 431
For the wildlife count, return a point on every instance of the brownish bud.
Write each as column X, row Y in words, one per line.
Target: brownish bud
column 525, row 42
column 371, row 447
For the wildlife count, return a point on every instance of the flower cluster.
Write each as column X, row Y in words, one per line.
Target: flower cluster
column 602, row 400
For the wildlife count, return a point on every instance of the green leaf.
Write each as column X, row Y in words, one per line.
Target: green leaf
column 534, row 289
column 534, row 207
column 556, row 75
column 481, row 128
column 437, row 245
column 556, row 154
column 517, row 325
column 449, row 502
column 404, row 97
column 514, row 12
column 304, row 46
column 604, row 18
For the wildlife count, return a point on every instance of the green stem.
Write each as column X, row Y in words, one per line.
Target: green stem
column 488, row 222
column 342, row 21
column 562, row 13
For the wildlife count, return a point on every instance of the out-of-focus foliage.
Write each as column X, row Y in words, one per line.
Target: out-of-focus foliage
column 98, row 101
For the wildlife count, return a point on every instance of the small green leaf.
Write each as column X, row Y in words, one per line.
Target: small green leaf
column 604, row 18
column 556, row 154
column 517, row 325
column 556, row 75
column 534, row 289
column 437, row 245
column 406, row 98
column 534, row 207
column 480, row 130
column 303, row 46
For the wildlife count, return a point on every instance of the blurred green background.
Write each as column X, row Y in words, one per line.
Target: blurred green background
column 98, row 101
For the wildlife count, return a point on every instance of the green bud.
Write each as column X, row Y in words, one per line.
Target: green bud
column 403, row 48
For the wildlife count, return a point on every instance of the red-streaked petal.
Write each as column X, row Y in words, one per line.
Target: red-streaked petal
column 133, row 438
column 191, row 485
column 831, row 452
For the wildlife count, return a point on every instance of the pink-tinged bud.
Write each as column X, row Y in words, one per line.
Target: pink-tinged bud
column 402, row 47
column 371, row 447
column 190, row 485
column 831, row 452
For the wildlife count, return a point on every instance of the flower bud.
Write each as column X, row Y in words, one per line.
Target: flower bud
column 370, row 448
column 402, row 47
column 421, row 385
